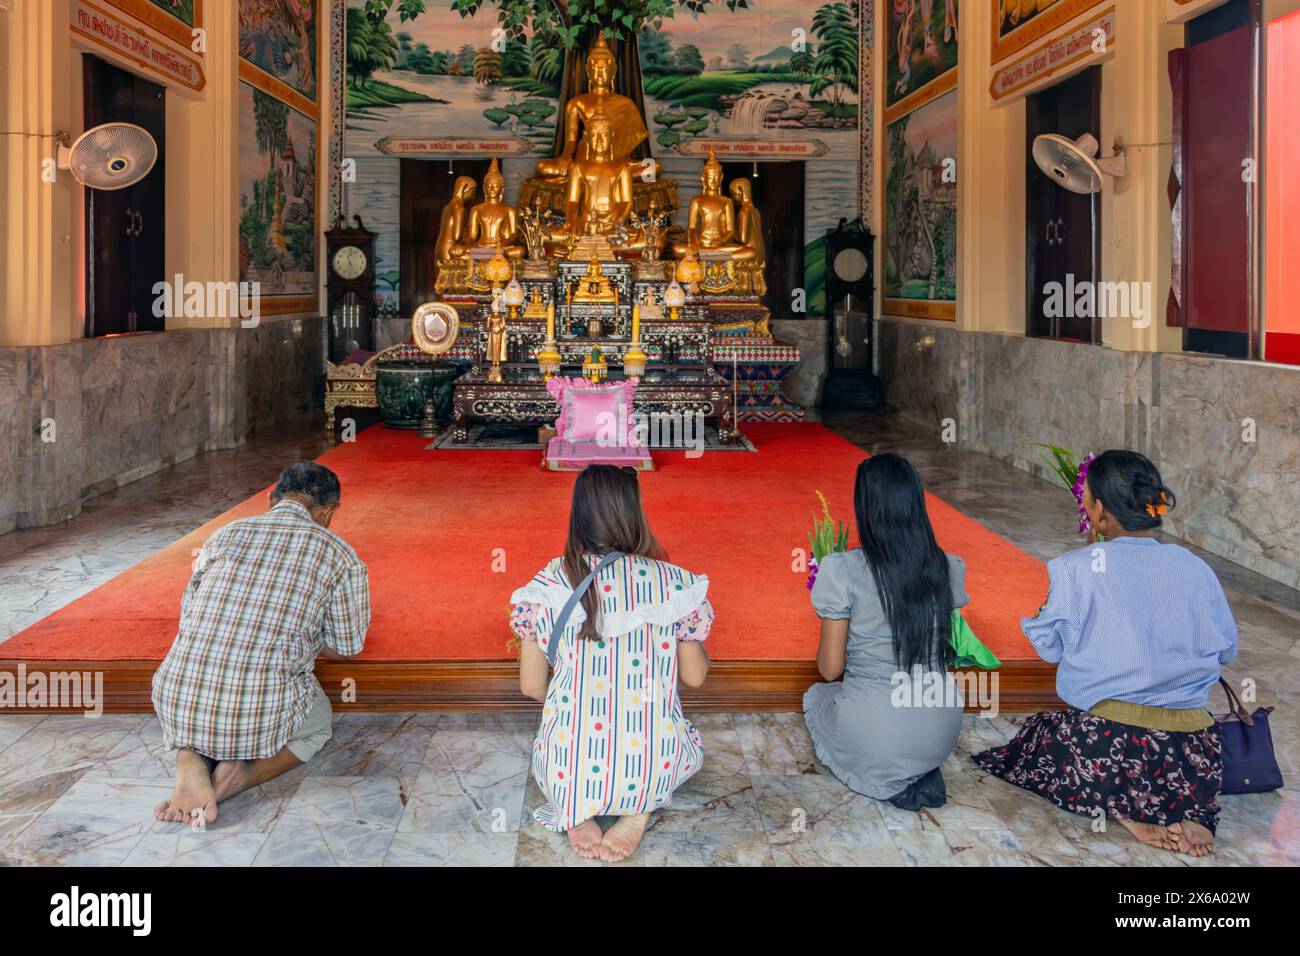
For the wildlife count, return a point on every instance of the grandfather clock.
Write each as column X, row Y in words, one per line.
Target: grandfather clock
column 851, row 382
column 350, row 288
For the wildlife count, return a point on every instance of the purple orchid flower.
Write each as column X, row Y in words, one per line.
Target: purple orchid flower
column 1084, row 524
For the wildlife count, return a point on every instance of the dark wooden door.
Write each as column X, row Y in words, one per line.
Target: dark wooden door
column 125, row 228
column 1062, row 228
column 425, row 189
column 779, row 196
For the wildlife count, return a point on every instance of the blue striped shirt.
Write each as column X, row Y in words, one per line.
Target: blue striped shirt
column 1135, row 620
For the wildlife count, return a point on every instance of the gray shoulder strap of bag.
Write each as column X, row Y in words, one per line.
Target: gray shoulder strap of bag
column 562, row 619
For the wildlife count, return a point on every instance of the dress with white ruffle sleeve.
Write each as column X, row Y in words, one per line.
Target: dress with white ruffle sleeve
column 613, row 740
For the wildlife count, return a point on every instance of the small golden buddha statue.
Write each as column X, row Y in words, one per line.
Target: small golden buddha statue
column 452, row 231
column 536, row 308
column 595, row 285
column 628, row 126
column 492, row 222
column 711, row 221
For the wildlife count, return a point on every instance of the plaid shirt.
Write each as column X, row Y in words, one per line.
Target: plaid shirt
column 266, row 595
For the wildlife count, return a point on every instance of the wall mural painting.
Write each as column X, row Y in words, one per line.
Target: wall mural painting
column 419, row 73
column 782, row 73
column 785, row 70
column 920, row 53
column 920, row 250
column 277, row 198
column 182, row 10
column 279, row 38
column 1018, row 23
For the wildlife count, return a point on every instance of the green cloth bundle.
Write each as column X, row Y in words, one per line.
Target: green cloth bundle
column 970, row 651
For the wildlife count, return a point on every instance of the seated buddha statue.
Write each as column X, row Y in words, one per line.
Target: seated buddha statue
column 452, row 233
column 598, row 196
column 711, row 222
column 628, row 126
column 492, row 222
column 749, row 222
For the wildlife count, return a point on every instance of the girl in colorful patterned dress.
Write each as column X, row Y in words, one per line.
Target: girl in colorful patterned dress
column 613, row 740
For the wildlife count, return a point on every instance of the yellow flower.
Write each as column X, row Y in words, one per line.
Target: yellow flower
column 826, row 506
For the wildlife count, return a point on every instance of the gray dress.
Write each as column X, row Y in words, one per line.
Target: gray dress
column 873, row 746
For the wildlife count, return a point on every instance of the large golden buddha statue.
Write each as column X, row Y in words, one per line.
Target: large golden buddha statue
column 492, row 222
column 599, row 191
column 711, row 222
column 627, row 125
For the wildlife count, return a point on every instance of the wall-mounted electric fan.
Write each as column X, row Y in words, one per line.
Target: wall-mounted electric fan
column 1073, row 164
column 111, row 156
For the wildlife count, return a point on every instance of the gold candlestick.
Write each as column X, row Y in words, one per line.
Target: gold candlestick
column 549, row 358
column 634, row 360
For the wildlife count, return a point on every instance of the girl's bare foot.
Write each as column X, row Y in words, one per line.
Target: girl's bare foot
column 1192, row 838
column 193, row 799
column 623, row 837
column 1151, row 834
column 584, row 839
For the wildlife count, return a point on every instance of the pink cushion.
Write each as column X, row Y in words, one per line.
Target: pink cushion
column 590, row 410
column 574, row 456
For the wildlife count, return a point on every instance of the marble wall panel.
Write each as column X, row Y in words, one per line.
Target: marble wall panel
column 1191, row 414
column 126, row 406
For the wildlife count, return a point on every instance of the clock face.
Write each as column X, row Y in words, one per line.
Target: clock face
column 349, row 262
column 850, row 265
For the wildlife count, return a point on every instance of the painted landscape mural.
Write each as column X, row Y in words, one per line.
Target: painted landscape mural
column 277, row 195
column 182, row 10
column 416, row 71
column 921, row 203
column 762, row 70
column 279, row 37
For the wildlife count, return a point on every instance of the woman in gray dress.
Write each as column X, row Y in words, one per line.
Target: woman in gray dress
column 891, row 712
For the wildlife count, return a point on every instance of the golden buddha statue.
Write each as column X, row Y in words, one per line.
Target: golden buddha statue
column 492, row 222
column 711, row 222
column 595, row 285
column 598, row 195
column 749, row 222
column 628, row 126
column 452, row 233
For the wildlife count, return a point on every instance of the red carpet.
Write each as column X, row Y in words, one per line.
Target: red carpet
column 427, row 524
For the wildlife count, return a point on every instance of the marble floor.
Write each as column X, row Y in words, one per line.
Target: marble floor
column 454, row 789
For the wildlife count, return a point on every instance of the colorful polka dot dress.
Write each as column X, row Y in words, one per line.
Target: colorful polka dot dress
column 613, row 740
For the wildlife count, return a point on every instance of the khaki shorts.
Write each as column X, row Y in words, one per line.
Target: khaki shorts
column 315, row 729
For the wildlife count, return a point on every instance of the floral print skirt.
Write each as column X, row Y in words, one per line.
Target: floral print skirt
column 1089, row 765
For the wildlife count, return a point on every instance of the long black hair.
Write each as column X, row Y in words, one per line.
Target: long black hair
column 1129, row 486
column 909, row 567
column 606, row 516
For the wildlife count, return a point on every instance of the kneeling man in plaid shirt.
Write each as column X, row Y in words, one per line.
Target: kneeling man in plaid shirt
column 237, row 693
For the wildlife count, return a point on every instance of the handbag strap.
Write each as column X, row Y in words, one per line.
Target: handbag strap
column 1234, row 705
column 562, row 619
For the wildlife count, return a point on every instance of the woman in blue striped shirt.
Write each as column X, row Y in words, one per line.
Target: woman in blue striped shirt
column 1138, row 630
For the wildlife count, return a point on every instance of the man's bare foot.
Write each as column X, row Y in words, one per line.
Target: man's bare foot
column 623, row 838
column 584, row 839
column 231, row 777
column 193, row 798
column 1151, row 834
column 1192, row 838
